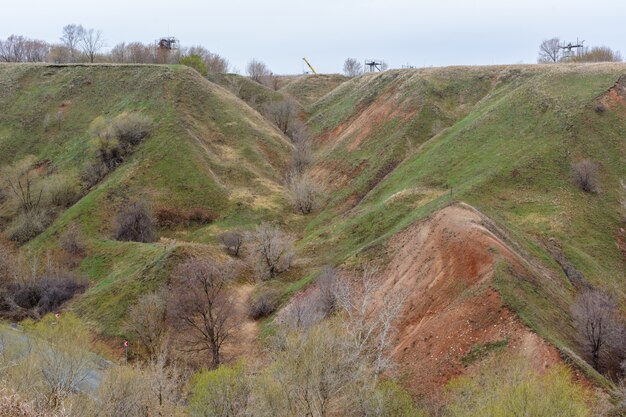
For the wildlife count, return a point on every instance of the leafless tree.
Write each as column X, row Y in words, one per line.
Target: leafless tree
column 21, row 187
column 232, row 242
column 282, row 113
column 13, row 49
column 257, row 70
column 327, row 286
column 146, row 321
column 272, row 250
column 370, row 316
column 352, row 67
column 301, row 157
column 20, row 49
column 71, row 39
column 549, row 51
column 200, row 303
column 304, row 192
column 585, row 175
column 595, row 315
column 91, row 43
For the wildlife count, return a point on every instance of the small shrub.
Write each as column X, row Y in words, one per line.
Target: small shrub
column 586, row 175
column 94, row 172
column 199, row 215
column 168, row 217
column 195, row 62
column 70, row 240
column 232, row 242
column 600, row 108
column 42, row 295
column 61, row 190
column 304, row 193
column 134, row 223
column 131, row 128
column 28, row 225
column 263, row 303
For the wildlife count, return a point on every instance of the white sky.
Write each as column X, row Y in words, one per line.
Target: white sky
column 281, row 32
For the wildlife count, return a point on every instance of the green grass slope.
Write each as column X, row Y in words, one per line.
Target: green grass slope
column 307, row 89
column 207, row 149
column 394, row 147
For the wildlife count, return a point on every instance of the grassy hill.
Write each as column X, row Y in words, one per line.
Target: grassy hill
column 392, row 149
column 207, row 149
column 395, row 147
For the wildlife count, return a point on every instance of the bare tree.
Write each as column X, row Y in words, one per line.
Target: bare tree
column 232, row 242
column 370, row 316
column 352, row 67
column 201, row 304
column 71, row 38
column 13, row 49
column 20, row 49
column 272, row 250
column 549, row 51
column 91, row 42
column 301, row 157
column 146, row 321
column 282, row 113
column 585, row 175
column 257, row 70
column 304, row 192
column 327, row 285
column 595, row 316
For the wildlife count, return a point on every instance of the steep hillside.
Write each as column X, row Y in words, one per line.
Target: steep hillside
column 395, row 148
column 207, row 150
column 456, row 182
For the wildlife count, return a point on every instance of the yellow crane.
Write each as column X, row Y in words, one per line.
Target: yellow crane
column 307, row 62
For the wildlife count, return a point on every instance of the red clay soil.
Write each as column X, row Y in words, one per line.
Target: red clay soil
column 445, row 265
column 385, row 107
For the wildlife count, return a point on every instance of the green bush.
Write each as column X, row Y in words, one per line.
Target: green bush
column 195, row 62
column 222, row 392
column 513, row 389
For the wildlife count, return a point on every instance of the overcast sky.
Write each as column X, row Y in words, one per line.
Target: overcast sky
column 280, row 32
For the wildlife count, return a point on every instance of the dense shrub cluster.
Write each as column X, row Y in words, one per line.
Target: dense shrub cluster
column 114, row 139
